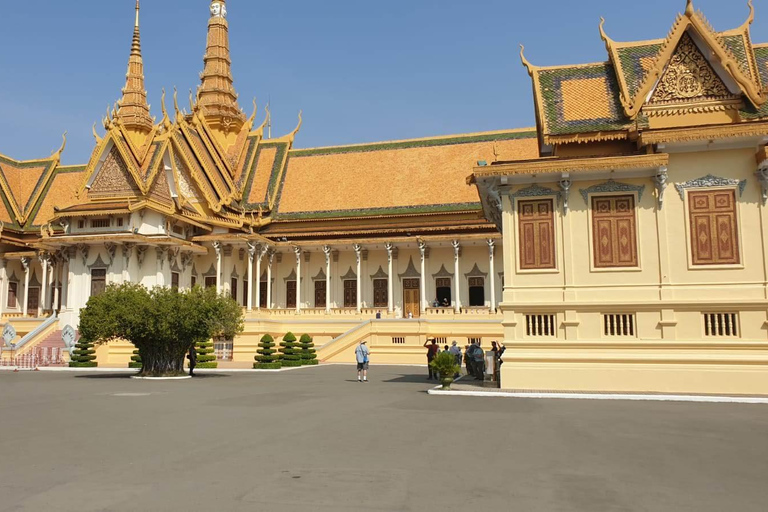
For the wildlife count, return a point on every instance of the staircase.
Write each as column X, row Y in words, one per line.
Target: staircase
column 345, row 341
column 51, row 350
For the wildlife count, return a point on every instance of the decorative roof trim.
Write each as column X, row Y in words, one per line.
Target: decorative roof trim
column 710, row 181
column 380, row 274
column 611, row 186
column 571, row 165
column 410, row 271
column 320, row 275
column 703, row 133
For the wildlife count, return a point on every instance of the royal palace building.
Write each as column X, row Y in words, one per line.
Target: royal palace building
column 620, row 245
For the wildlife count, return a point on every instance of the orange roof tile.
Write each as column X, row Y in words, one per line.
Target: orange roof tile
column 61, row 193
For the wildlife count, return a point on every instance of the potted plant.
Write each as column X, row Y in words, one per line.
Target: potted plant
column 445, row 364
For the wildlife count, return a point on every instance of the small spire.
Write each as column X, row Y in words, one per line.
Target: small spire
column 133, row 110
column 216, row 95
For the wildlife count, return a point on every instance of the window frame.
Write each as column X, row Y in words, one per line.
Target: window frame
column 15, row 296
column 90, row 279
column 638, row 231
column 739, row 234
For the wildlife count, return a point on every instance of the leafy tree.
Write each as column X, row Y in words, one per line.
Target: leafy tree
column 268, row 358
column 162, row 323
column 308, row 353
column 290, row 354
column 84, row 355
column 135, row 360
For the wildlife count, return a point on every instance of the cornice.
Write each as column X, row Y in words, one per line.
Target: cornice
column 703, row 133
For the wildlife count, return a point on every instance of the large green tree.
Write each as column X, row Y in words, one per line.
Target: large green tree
column 162, row 323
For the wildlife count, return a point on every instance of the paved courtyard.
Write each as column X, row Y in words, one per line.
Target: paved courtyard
column 316, row 440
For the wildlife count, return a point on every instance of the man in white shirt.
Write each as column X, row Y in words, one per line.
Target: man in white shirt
column 361, row 354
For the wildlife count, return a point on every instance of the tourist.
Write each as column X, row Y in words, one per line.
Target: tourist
column 432, row 349
column 478, row 359
column 468, row 359
column 361, row 355
column 445, row 349
column 192, row 359
column 446, row 303
column 435, row 303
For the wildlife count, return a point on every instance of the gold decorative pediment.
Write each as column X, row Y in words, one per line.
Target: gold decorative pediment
column 689, row 77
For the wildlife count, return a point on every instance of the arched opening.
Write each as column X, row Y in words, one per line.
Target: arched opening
column 476, row 292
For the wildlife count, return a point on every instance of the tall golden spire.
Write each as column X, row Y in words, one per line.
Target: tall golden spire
column 133, row 110
column 217, row 98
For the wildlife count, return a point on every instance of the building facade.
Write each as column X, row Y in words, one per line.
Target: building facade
column 635, row 245
column 618, row 246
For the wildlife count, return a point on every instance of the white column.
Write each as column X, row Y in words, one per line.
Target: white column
column 359, row 258
column 66, row 299
column 456, row 275
column 3, row 281
column 43, row 284
column 297, row 250
column 56, row 282
column 423, row 251
column 259, row 255
column 269, row 280
column 127, row 253
column 492, row 266
column 25, row 263
column 390, row 292
column 217, row 247
column 252, row 248
column 327, row 251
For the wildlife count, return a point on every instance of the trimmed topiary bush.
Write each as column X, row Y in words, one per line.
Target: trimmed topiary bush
column 308, row 353
column 289, row 352
column 206, row 358
column 135, row 360
column 84, row 355
column 268, row 357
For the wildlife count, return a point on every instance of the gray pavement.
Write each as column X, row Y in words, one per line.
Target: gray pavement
column 316, row 440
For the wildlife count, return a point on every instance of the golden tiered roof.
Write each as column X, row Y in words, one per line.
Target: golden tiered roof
column 694, row 71
column 133, row 109
column 216, row 95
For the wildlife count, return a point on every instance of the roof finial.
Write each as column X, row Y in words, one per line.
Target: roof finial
column 530, row 67
column 253, row 116
column 689, row 8
column 57, row 154
column 133, row 110
column 751, row 16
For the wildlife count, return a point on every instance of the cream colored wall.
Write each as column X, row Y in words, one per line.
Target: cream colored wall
column 669, row 351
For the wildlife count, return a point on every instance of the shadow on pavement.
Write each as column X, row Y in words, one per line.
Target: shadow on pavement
column 411, row 379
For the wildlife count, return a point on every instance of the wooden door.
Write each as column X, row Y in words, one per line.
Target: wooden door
column 380, row 293
column 98, row 282
column 210, row 282
column 350, row 294
column 263, row 295
column 411, row 298
column 33, row 299
column 233, row 288
column 290, row 294
column 320, row 294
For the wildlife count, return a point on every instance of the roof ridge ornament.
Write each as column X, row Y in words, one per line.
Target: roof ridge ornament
column 530, row 67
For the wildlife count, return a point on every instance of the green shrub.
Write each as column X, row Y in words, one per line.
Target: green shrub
column 290, row 354
column 267, row 358
column 135, row 360
column 308, row 353
column 84, row 355
column 206, row 357
column 445, row 364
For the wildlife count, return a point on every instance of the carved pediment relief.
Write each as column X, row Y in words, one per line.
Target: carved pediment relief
column 689, row 77
column 113, row 176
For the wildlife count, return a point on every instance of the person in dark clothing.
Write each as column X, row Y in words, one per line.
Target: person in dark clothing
column 192, row 356
column 432, row 349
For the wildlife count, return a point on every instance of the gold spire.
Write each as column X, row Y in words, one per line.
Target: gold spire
column 216, row 96
column 133, row 111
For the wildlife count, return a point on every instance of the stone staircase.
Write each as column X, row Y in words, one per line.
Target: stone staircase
column 51, row 349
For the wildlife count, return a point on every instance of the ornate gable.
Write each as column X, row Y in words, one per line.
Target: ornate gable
column 114, row 178
column 689, row 77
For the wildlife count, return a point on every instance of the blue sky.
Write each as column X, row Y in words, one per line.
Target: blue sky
column 361, row 71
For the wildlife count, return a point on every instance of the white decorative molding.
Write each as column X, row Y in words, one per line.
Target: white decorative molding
column 476, row 272
column 380, row 274
column 565, row 191
column 709, row 181
column 410, row 271
column 534, row 190
column 443, row 272
column 660, row 182
column 762, row 177
column 611, row 186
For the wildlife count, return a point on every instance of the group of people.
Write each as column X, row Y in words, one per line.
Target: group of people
column 445, row 303
column 473, row 358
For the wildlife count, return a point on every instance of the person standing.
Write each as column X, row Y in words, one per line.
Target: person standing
column 478, row 360
column 432, row 349
column 192, row 355
column 361, row 355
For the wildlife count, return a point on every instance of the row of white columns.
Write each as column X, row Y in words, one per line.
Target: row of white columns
column 257, row 252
